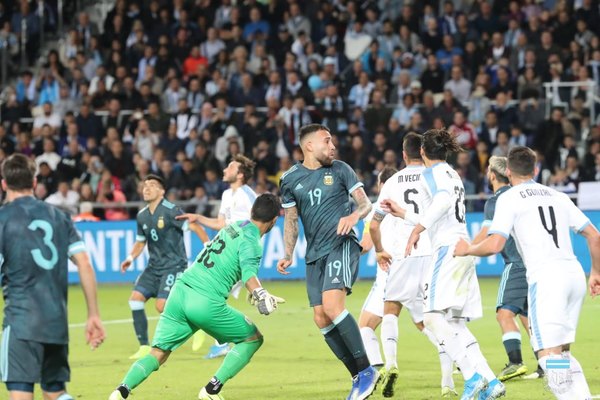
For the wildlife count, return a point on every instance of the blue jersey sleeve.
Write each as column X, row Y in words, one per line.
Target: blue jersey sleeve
column 287, row 195
column 76, row 245
column 181, row 224
column 488, row 212
column 349, row 177
column 140, row 236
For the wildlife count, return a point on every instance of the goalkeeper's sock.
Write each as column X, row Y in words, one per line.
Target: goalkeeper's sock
column 140, row 322
column 140, row 370
column 237, row 358
column 351, row 334
column 389, row 338
column 336, row 343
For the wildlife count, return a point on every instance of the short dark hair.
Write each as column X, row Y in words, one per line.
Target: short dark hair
column 246, row 167
column 411, row 144
column 439, row 143
column 18, row 172
column 311, row 128
column 386, row 173
column 521, row 161
column 265, row 208
column 153, row 177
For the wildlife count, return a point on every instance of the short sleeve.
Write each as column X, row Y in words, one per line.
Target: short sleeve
column 250, row 254
column 76, row 245
column 504, row 218
column 384, row 194
column 140, row 236
column 577, row 219
column 349, row 177
column 488, row 212
column 287, row 195
column 182, row 224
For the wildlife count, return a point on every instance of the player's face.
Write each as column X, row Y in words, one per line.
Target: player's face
column 152, row 191
column 323, row 148
column 231, row 172
column 490, row 176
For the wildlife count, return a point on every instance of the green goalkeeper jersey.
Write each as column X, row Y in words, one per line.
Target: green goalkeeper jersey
column 233, row 255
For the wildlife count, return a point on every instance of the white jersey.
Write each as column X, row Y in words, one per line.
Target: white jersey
column 387, row 227
column 444, row 204
column 236, row 206
column 539, row 219
column 404, row 187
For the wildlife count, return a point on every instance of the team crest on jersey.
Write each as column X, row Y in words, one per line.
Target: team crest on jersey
column 161, row 222
column 328, row 179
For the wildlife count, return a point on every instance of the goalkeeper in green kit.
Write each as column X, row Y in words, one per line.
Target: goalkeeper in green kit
column 198, row 301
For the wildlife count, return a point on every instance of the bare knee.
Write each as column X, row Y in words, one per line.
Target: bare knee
column 137, row 296
column 160, row 305
column 320, row 318
column 160, row 355
column 368, row 320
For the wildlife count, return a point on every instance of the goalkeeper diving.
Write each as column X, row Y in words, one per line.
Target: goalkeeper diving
column 198, row 301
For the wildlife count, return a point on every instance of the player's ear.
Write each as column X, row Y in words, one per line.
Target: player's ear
column 5, row 186
column 536, row 170
column 34, row 183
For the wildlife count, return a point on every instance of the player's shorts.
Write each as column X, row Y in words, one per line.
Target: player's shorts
column 405, row 284
column 512, row 293
column 187, row 311
column 374, row 301
column 152, row 283
column 27, row 361
column 451, row 285
column 337, row 270
column 555, row 301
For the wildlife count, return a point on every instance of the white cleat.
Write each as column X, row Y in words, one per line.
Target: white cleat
column 116, row 395
column 447, row 391
column 204, row 395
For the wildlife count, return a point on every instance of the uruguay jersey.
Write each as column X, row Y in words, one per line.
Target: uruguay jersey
column 405, row 188
column 237, row 205
column 540, row 220
column 444, row 203
column 36, row 241
column 387, row 228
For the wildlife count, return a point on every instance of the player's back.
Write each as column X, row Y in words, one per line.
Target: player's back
column 36, row 240
column 235, row 252
column 451, row 226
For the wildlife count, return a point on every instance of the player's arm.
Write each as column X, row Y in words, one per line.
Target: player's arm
column 366, row 242
column 250, row 255
column 290, row 237
column 483, row 233
column 383, row 258
column 592, row 236
column 199, row 231
column 363, row 209
column 212, row 223
column 493, row 244
column 137, row 249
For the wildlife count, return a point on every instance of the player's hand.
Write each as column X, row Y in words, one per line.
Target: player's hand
column 126, row 264
column 391, row 207
column 94, row 332
column 413, row 241
column 594, row 284
column 346, row 224
column 384, row 260
column 283, row 265
column 252, row 301
column 189, row 216
column 265, row 303
column 461, row 248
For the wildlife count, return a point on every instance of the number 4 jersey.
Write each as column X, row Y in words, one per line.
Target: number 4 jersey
column 36, row 241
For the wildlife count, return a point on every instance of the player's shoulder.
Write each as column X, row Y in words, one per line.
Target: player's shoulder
column 167, row 204
column 143, row 211
column 341, row 166
column 290, row 174
column 247, row 191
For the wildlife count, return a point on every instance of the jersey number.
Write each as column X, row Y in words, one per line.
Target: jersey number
column 37, row 255
column 153, row 234
column 407, row 199
column 459, row 207
column 315, row 196
column 552, row 229
column 205, row 256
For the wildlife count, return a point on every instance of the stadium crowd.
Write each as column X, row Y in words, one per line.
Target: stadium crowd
column 179, row 87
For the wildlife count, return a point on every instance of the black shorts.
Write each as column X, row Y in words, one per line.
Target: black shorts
column 512, row 293
column 27, row 361
column 337, row 270
column 152, row 283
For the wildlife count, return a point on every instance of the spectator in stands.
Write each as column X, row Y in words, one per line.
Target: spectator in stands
column 118, row 160
column 47, row 117
column 46, row 177
column 448, row 50
column 463, row 131
column 64, row 198
column 88, row 124
column 256, row 27
column 458, row 85
column 49, row 156
column 108, row 193
column 85, row 213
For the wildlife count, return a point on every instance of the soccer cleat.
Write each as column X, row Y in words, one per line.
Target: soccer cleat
column 204, row 395
column 473, row 386
column 535, row 375
column 512, row 370
column 389, row 382
column 116, row 395
column 198, row 340
column 382, row 374
column 354, row 390
column 495, row 390
column 216, row 351
column 143, row 351
column 447, row 391
column 367, row 381
column 120, row 393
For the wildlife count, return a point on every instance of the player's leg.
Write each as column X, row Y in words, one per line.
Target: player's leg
column 20, row 365
column 55, row 372
column 389, row 339
column 146, row 286
column 370, row 318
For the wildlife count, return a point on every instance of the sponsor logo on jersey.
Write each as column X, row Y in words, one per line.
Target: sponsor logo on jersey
column 161, row 222
column 328, row 180
column 145, row 227
column 299, row 186
column 335, row 280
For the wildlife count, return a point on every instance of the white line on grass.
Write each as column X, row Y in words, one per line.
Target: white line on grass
column 111, row 322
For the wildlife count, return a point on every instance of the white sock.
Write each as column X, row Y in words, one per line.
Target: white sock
column 371, row 343
column 580, row 384
column 559, row 379
column 389, row 339
column 473, row 349
column 445, row 360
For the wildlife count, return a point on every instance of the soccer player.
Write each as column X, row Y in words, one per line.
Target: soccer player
column 236, row 203
column 405, row 275
column 540, row 219
column 512, row 293
column 157, row 227
column 451, row 292
column 318, row 191
column 36, row 241
column 199, row 301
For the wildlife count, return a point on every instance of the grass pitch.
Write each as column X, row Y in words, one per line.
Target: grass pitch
column 294, row 362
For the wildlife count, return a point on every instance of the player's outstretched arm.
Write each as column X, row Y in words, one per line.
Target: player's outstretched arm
column 94, row 331
column 363, row 209
column 384, row 260
column 290, row 237
column 212, row 223
column 264, row 301
column 138, row 247
column 592, row 236
column 493, row 244
column 483, row 233
column 200, row 232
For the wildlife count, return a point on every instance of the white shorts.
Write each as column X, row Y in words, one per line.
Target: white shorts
column 374, row 302
column 405, row 283
column 555, row 301
column 452, row 286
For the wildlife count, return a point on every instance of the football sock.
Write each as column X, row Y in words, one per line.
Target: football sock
column 336, row 343
column 140, row 370
column 349, row 331
column 236, row 359
column 140, row 322
column 512, row 345
column 389, row 338
column 565, row 377
column 579, row 382
column 473, row 350
column 371, row 343
column 445, row 360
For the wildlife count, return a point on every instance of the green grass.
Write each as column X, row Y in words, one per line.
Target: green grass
column 294, row 362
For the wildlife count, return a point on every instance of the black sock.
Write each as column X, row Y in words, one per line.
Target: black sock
column 336, row 343
column 124, row 390
column 214, row 386
column 140, row 324
column 350, row 332
column 513, row 350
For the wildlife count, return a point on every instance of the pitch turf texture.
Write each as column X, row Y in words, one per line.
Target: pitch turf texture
column 294, row 362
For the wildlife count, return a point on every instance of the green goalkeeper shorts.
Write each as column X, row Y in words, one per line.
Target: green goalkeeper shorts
column 187, row 311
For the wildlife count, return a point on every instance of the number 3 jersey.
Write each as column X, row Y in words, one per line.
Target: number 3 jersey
column 233, row 255
column 36, row 241
column 539, row 219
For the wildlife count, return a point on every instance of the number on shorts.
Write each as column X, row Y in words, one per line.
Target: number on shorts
column 337, row 264
column 459, row 207
column 552, row 230
column 171, row 280
column 153, row 234
column 205, row 255
column 408, row 200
